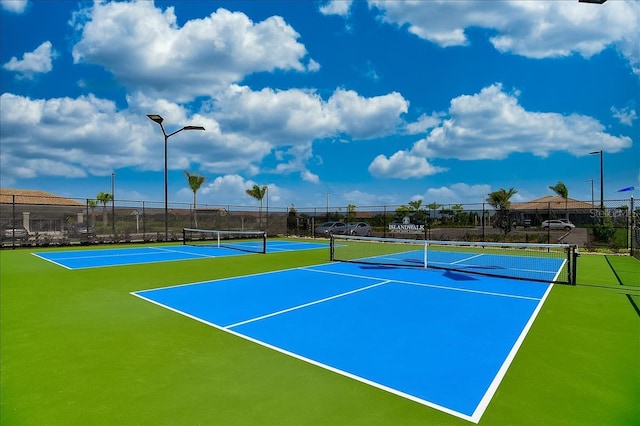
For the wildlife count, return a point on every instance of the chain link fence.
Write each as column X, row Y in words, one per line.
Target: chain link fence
column 590, row 226
column 43, row 221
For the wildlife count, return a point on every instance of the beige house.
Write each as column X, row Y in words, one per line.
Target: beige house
column 536, row 211
column 39, row 211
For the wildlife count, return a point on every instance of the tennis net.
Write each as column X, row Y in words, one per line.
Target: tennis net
column 249, row 241
column 535, row 262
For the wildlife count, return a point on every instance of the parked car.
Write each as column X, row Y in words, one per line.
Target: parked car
column 558, row 224
column 328, row 228
column 15, row 232
column 80, row 230
column 359, row 228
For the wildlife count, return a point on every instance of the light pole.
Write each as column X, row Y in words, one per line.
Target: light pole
column 601, row 178
column 267, row 193
column 113, row 205
column 591, row 180
column 328, row 206
column 158, row 119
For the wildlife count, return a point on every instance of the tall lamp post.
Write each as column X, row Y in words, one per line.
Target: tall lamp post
column 158, row 119
column 592, row 202
column 601, row 179
column 591, row 180
column 113, row 205
column 328, row 193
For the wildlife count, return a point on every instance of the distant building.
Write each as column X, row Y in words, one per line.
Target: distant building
column 30, row 196
column 39, row 211
column 536, row 211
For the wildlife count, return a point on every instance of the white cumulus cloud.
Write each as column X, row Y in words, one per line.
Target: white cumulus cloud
column 625, row 116
column 535, row 29
column 336, row 7
column 37, row 62
column 15, row 6
column 146, row 49
column 403, row 165
column 491, row 125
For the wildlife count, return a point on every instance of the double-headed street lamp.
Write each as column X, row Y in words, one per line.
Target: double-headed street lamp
column 158, row 119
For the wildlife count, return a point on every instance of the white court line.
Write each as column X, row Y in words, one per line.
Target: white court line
column 442, row 287
column 314, row 362
column 307, row 304
column 464, row 260
column 52, row 261
column 122, row 252
column 100, row 256
column 472, row 266
column 181, row 252
column 493, row 387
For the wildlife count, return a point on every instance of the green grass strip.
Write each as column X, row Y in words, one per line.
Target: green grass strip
column 78, row 349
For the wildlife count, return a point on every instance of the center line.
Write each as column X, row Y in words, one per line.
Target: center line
column 306, row 304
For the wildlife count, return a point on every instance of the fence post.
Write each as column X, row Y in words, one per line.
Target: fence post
column 384, row 221
column 484, row 219
column 632, row 227
column 13, row 221
column 144, row 224
column 548, row 227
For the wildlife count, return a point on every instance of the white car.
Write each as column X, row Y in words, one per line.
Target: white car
column 329, row 228
column 359, row 228
column 558, row 224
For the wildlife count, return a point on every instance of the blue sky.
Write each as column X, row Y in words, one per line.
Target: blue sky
column 372, row 102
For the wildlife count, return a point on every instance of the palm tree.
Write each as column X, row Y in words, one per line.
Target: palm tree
column 562, row 190
column 434, row 206
column 258, row 192
column 104, row 198
column 415, row 205
column 351, row 213
column 92, row 204
column 413, row 210
column 500, row 200
column 195, row 182
column 457, row 210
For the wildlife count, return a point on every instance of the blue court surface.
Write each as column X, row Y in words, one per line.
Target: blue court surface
column 80, row 259
column 442, row 339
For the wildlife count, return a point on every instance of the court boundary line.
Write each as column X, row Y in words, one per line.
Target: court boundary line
column 497, row 380
column 482, row 405
column 194, row 257
column 52, row 261
column 314, row 362
column 123, row 254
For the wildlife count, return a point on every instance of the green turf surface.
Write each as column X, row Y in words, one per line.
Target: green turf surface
column 78, row 349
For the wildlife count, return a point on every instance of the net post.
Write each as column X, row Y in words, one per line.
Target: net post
column 218, row 235
column 573, row 263
column 426, row 245
column 184, row 237
column 331, row 247
column 264, row 243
